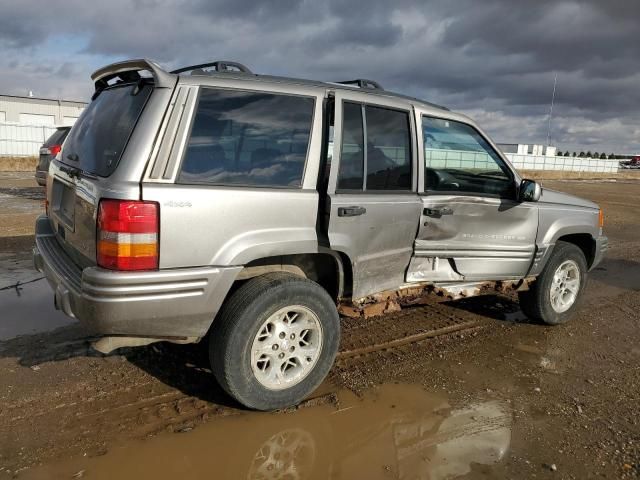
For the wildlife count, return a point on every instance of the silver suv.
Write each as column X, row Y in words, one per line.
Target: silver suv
column 213, row 202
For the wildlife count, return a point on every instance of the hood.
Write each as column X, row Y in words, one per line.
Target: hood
column 553, row 196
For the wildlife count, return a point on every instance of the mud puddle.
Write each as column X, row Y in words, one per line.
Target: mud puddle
column 395, row 431
column 27, row 308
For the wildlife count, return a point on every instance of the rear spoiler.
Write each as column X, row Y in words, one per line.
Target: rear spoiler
column 128, row 72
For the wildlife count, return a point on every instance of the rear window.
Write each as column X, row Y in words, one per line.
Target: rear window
column 57, row 137
column 98, row 138
column 248, row 138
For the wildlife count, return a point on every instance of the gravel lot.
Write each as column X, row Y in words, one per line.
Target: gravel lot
column 497, row 398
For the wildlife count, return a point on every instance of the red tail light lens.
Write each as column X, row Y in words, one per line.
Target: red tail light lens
column 55, row 149
column 128, row 235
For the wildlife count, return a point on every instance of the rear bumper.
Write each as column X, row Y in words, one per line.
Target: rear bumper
column 602, row 245
column 167, row 303
column 41, row 177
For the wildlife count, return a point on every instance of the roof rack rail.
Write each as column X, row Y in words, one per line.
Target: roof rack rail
column 363, row 83
column 220, row 65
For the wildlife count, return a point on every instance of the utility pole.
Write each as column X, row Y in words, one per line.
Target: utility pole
column 553, row 97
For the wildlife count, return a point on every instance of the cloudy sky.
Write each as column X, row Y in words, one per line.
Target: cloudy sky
column 492, row 59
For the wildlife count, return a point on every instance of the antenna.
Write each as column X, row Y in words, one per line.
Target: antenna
column 553, row 97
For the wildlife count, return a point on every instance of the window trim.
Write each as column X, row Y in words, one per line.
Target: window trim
column 464, row 193
column 201, row 89
column 410, row 124
column 364, row 148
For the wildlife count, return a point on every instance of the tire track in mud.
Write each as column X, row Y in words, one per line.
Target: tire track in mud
column 90, row 400
column 403, row 341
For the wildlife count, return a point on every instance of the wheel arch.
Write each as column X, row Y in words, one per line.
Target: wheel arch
column 325, row 267
column 585, row 242
column 583, row 238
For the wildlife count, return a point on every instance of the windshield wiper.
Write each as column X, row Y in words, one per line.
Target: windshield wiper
column 76, row 172
column 71, row 171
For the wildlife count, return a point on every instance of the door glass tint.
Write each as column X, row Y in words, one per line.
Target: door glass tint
column 458, row 159
column 248, row 138
column 388, row 149
column 56, row 137
column 100, row 135
column 351, row 172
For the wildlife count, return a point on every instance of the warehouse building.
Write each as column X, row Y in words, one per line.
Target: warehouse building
column 524, row 149
column 39, row 111
column 26, row 122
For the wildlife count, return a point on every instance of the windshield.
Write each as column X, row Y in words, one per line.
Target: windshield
column 97, row 140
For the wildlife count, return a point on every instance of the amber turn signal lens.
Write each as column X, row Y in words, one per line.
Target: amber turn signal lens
column 601, row 218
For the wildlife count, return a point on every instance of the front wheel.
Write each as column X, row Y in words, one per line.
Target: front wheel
column 556, row 293
column 274, row 341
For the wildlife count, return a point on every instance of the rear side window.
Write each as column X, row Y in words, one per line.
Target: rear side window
column 248, row 138
column 388, row 149
column 382, row 149
column 56, row 137
column 98, row 138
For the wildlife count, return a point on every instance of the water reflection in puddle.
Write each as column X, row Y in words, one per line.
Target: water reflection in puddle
column 396, row 431
column 29, row 309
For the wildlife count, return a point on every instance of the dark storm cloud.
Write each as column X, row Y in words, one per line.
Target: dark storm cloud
column 495, row 59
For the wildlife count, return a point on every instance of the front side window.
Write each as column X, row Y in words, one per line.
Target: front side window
column 458, row 159
column 248, row 138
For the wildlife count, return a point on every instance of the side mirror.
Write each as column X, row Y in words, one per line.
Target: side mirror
column 530, row 191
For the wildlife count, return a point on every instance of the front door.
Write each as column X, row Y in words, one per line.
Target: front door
column 472, row 227
column 372, row 204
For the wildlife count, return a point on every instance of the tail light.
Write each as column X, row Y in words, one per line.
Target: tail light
column 51, row 150
column 128, row 235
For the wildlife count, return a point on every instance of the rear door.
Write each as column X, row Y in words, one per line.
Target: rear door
column 373, row 206
column 472, row 227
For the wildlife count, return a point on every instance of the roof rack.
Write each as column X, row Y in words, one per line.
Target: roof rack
column 220, row 66
column 363, row 83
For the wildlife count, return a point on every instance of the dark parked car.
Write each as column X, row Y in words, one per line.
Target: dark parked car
column 633, row 162
column 49, row 150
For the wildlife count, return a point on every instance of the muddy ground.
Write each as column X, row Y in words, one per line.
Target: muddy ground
column 482, row 393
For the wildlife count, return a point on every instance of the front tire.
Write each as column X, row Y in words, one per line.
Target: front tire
column 274, row 341
column 557, row 291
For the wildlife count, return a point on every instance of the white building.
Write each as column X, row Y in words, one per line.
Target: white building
column 524, row 149
column 26, row 122
column 39, row 111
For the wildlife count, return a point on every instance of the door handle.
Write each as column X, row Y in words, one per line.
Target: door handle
column 351, row 211
column 438, row 212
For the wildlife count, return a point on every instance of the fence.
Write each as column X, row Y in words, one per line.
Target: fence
column 567, row 164
column 479, row 160
column 23, row 140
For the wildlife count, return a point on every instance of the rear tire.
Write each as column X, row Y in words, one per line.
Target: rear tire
column 556, row 293
column 274, row 341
